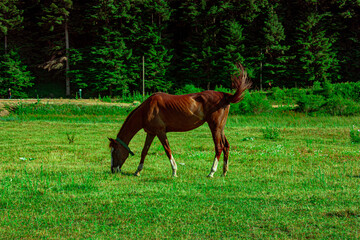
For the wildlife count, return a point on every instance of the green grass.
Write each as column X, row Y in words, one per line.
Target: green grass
column 304, row 184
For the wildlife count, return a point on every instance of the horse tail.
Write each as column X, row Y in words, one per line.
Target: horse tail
column 240, row 83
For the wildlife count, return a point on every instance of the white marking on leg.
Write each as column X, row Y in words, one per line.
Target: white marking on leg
column 214, row 167
column 173, row 165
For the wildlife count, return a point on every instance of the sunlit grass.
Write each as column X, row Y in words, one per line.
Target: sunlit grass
column 304, row 184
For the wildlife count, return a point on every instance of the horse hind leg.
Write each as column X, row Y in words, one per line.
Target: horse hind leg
column 148, row 141
column 218, row 149
column 214, row 167
column 164, row 141
column 221, row 145
column 226, row 156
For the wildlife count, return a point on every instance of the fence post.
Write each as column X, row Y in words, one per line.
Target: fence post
column 143, row 75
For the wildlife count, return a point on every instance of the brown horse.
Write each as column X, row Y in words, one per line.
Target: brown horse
column 162, row 113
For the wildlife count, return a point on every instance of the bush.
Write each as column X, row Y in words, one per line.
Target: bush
column 311, row 102
column 278, row 95
column 355, row 135
column 254, row 103
column 14, row 75
column 222, row 89
column 105, row 99
column 188, row 88
column 285, row 96
column 348, row 90
column 340, row 106
column 271, row 133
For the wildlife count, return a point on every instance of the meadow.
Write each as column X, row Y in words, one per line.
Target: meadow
column 55, row 180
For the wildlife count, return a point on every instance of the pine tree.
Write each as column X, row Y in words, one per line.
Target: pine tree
column 315, row 58
column 231, row 50
column 275, row 59
column 202, row 49
column 10, row 18
column 345, row 21
column 14, row 75
column 154, row 44
column 105, row 67
column 56, row 13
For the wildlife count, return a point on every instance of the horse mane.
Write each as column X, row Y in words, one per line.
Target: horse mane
column 132, row 113
column 126, row 120
column 240, row 83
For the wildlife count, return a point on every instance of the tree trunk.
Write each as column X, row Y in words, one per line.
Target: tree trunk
column 261, row 73
column 67, row 80
column 5, row 44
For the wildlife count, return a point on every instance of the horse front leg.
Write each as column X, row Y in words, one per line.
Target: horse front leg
column 148, row 141
column 164, row 141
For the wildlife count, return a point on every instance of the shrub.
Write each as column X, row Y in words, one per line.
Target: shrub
column 311, row 102
column 14, row 75
column 285, row 96
column 271, row 133
column 188, row 88
column 340, row 106
column 134, row 96
column 254, row 103
column 348, row 90
column 105, row 99
column 355, row 135
column 278, row 95
column 222, row 89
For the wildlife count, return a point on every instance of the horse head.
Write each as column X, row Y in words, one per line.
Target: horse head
column 119, row 154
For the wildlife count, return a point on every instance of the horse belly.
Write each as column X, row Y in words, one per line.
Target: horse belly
column 183, row 123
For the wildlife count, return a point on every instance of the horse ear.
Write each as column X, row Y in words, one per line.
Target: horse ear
column 112, row 142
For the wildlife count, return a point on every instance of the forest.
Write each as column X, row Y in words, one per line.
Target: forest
column 54, row 48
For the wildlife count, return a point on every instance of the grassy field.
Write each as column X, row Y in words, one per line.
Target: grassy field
column 55, row 181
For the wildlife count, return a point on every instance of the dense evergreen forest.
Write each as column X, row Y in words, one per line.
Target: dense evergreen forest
column 56, row 47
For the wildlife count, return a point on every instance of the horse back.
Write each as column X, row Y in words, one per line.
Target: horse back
column 181, row 112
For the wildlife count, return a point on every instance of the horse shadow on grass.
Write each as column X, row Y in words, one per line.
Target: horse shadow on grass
column 153, row 179
column 122, row 173
column 353, row 176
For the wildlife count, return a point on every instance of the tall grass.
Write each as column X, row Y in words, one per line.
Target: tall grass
column 67, row 109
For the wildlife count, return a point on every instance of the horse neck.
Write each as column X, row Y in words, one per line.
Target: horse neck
column 131, row 126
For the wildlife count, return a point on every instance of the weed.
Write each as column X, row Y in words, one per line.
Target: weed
column 70, row 137
column 355, row 135
column 105, row 99
column 271, row 133
column 248, row 139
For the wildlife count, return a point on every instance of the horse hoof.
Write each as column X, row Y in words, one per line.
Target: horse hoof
column 137, row 174
column 174, row 176
column 210, row 176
